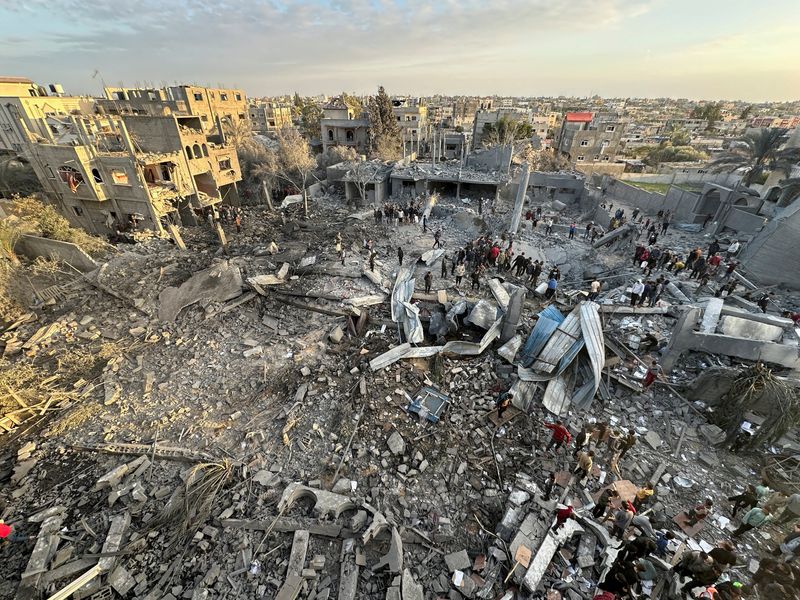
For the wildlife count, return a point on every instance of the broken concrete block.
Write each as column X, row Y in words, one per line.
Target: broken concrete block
column 336, row 335
column 297, row 558
column 116, row 532
column 457, row 561
column 121, row 580
column 653, row 440
column 112, row 479
column 411, row 589
column 396, row 443
column 342, row 486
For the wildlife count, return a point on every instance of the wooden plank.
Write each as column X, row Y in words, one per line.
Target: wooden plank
column 73, row 587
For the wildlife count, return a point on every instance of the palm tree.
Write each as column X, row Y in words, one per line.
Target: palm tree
column 757, row 152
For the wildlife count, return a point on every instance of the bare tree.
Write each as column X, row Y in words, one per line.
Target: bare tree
column 361, row 175
column 294, row 163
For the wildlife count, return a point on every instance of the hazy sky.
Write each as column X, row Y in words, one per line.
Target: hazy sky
column 736, row 49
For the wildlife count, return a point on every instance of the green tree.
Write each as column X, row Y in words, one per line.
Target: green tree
column 353, row 104
column 385, row 142
column 710, row 112
column 680, row 137
column 757, row 152
column 506, row 131
column 310, row 120
column 746, row 112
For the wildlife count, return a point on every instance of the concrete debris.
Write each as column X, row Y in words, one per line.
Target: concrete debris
column 220, row 283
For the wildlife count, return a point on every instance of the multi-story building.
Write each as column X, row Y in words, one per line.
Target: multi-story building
column 229, row 106
column 788, row 122
column 104, row 172
column 340, row 127
column 587, row 137
column 412, row 119
column 26, row 109
column 269, row 116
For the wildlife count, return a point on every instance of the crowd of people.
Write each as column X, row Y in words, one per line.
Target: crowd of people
column 641, row 532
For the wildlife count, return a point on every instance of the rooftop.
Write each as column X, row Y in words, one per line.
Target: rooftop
column 579, row 117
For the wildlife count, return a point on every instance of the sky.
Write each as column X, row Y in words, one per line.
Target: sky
column 703, row 49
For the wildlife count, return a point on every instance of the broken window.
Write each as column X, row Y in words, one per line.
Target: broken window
column 584, row 142
column 188, row 152
column 225, row 164
column 70, row 176
column 581, row 159
column 349, row 135
column 238, row 97
column 241, row 116
column 119, row 177
column 78, row 211
column 205, row 150
column 610, row 128
column 198, row 96
column 97, row 177
column 196, row 151
column 223, row 96
column 165, row 173
column 330, row 134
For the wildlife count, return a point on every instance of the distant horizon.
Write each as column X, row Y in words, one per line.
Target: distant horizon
column 617, row 49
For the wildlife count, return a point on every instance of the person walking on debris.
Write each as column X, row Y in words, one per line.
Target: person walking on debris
column 338, row 243
column 535, row 272
column 747, row 499
column 662, row 542
column 643, row 496
column 424, row 223
column 437, row 239
column 603, row 500
column 585, row 464
column 428, row 282
column 764, row 300
column 627, row 443
column 588, row 230
column 582, row 439
column 459, row 272
column 476, row 279
column 238, row 222
column 572, row 229
column 699, row 512
column 562, row 515
column 724, row 554
column 548, row 226
column 713, row 248
column 560, row 435
column 400, row 255
column 341, row 254
column 372, row 256
column 444, row 266
column 549, row 485
column 503, row 402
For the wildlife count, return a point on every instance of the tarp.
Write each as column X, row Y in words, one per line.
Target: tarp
column 549, row 320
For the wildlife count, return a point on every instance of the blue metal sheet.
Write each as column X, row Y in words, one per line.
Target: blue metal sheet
column 549, row 320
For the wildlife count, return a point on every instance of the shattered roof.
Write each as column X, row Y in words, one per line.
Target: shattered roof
column 447, row 172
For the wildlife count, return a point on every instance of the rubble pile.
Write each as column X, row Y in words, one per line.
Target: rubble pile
column 218, row 425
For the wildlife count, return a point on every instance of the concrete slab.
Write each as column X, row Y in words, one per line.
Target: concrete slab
column 297, row 557
column 736, row 327
column 325, row 503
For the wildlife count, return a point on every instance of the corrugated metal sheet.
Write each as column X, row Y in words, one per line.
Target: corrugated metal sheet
column 560, row 343
column 549, row 320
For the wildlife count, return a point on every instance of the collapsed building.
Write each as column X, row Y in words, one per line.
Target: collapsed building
column 105, row 173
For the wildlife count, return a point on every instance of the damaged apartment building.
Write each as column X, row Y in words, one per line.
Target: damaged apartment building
column 590, row 141
column 109, row 172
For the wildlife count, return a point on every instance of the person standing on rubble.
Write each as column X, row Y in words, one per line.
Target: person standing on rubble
column 747, row 499
column 237, row 220
column 476, row 278
column 400, row 255
column 764, row 300
column 627, row 443
column 636, row 292
column 552, row 285
column 444, row 266
column 548, row 226
column 459, row 273
column 585, row 464
column 603, row 500
column 537, row 270
column 594, row 289
column 588, row 230
column 560, row 435
column 582, row 439
column 437, row 239
column 755, row 517
column 372, row 255
column 549, row 485
column 424, row 223
column 573, row 227
column 713, row 248
column 622, row 519
column 654, row 371
column 428, row 282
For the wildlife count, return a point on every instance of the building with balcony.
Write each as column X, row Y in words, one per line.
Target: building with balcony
column 412, row 120
column 228, row 106
column 25, row 107
column 340, row 127
column 106, row 172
